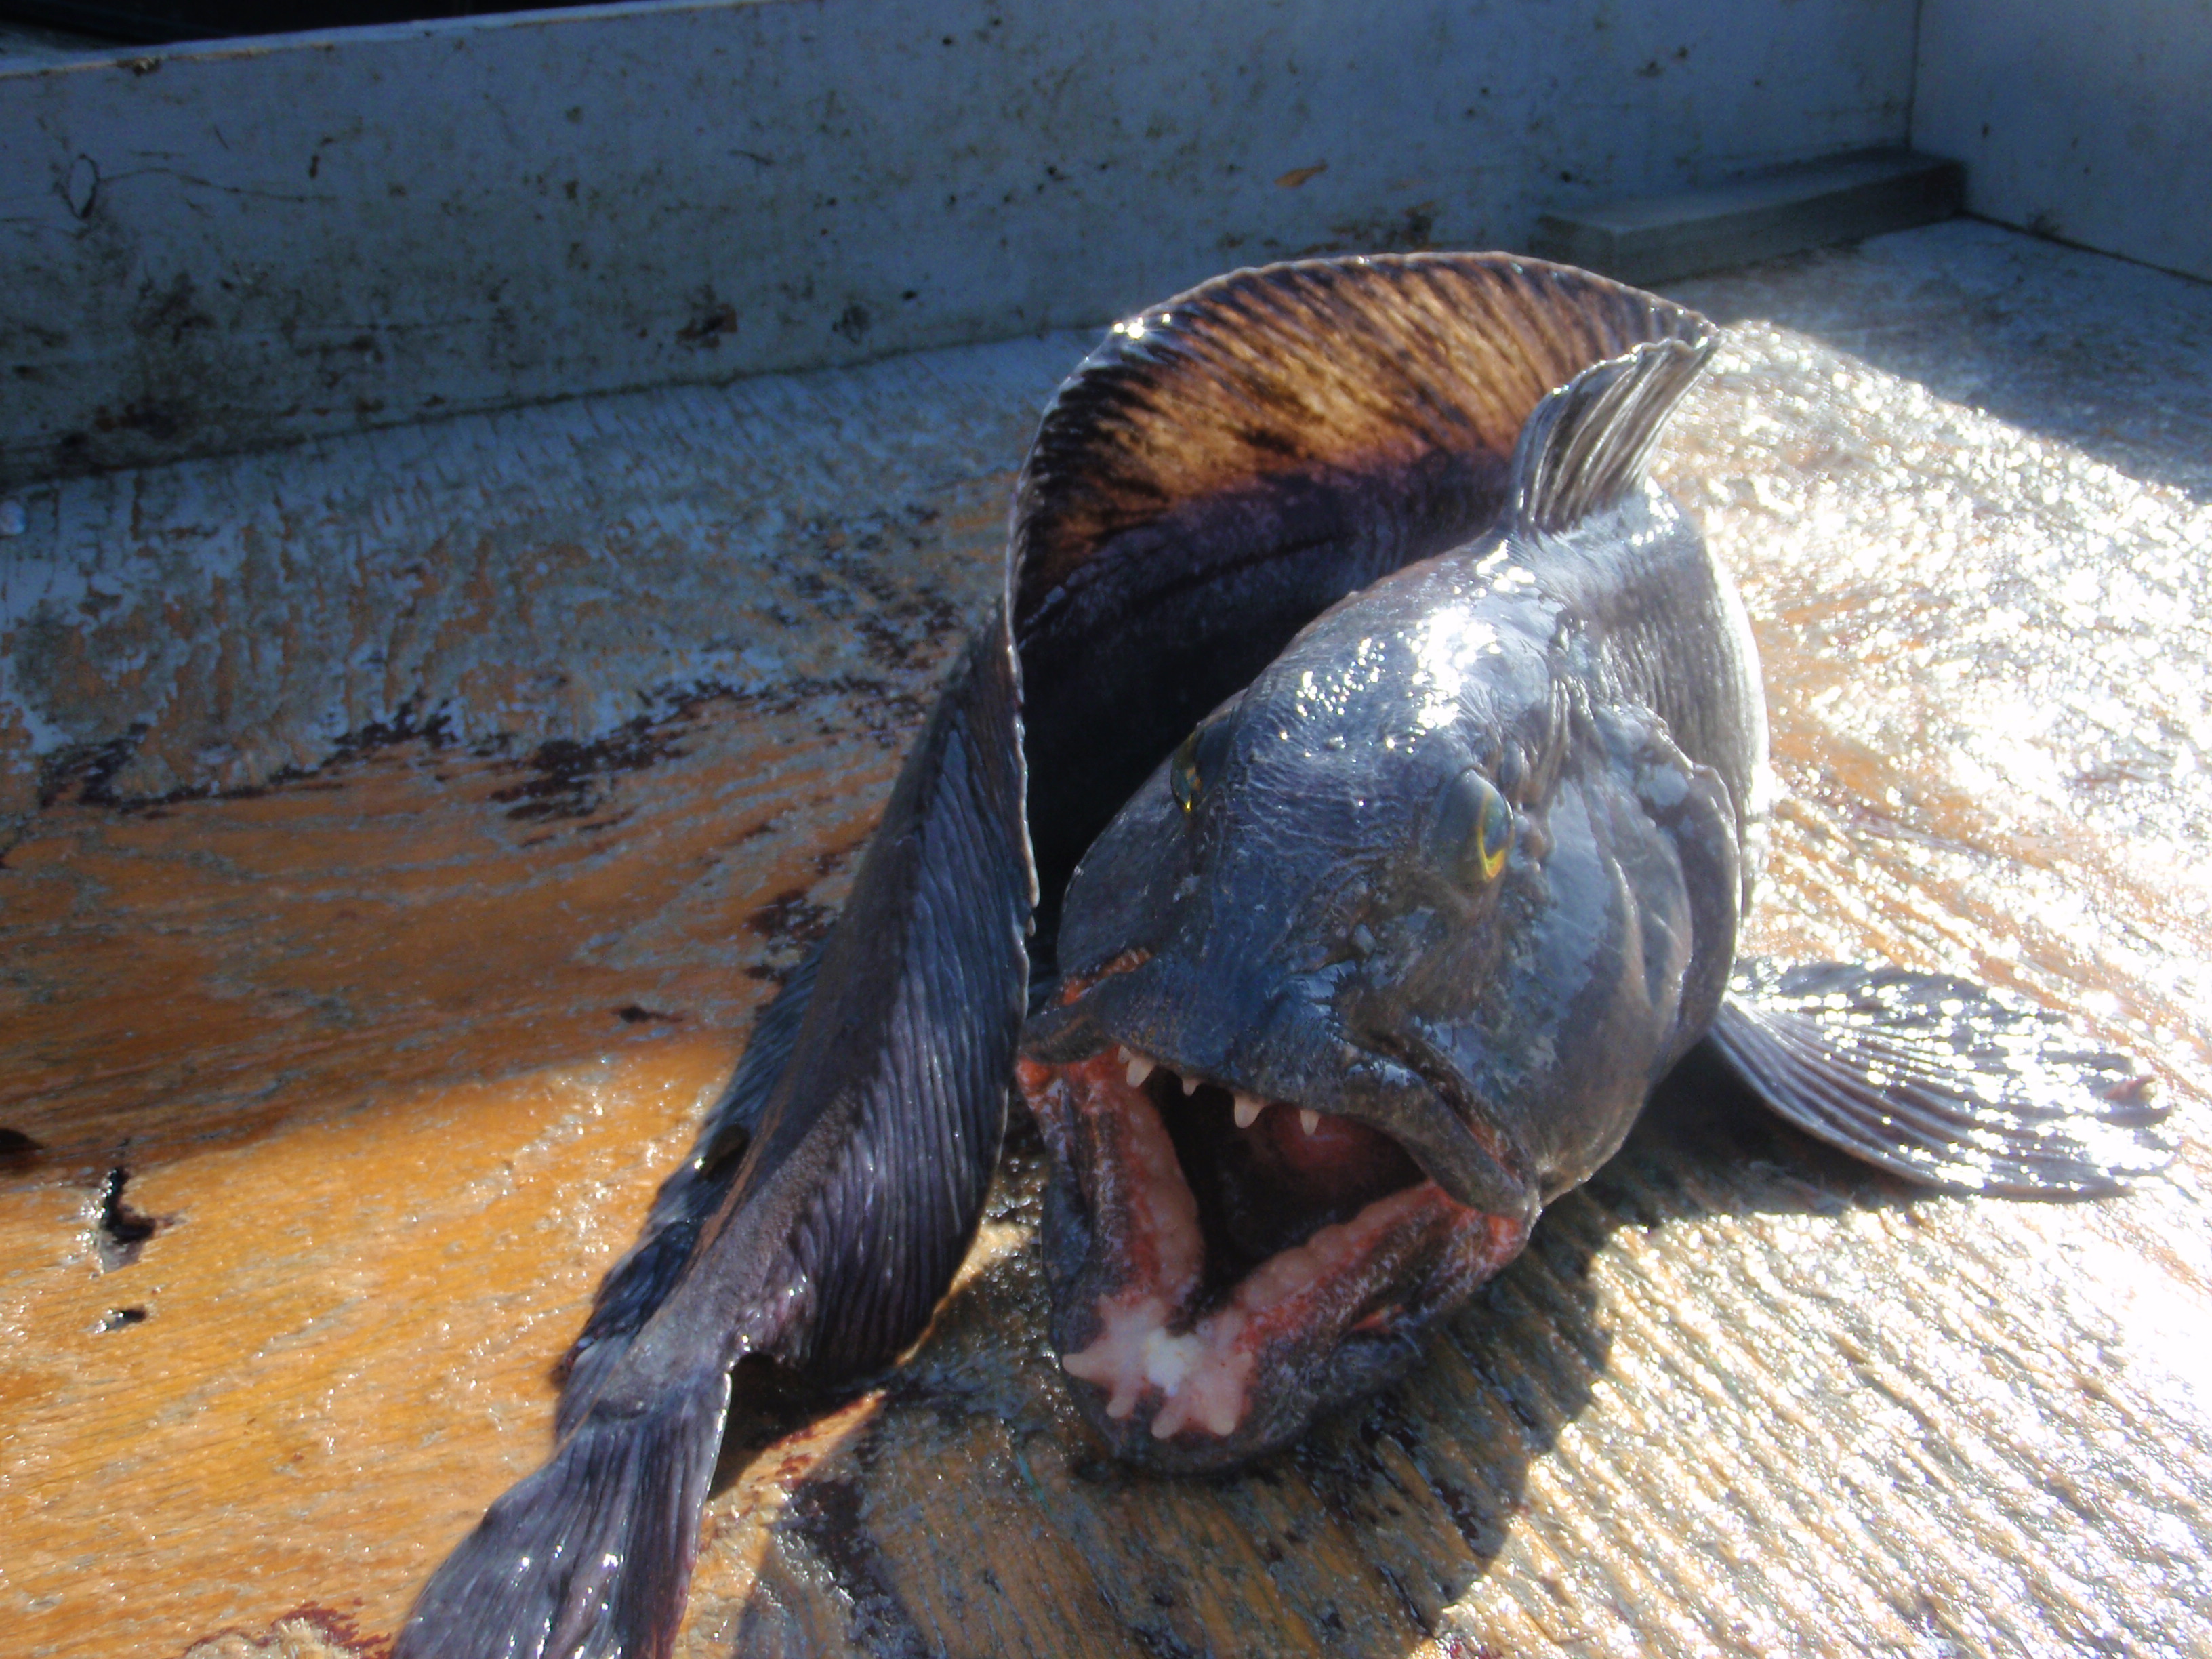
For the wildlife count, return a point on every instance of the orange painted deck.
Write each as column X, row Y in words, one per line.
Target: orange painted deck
column 327, row 1100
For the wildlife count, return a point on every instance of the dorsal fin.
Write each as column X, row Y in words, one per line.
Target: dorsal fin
column 1584, row 449
column 1228, row 466
column 1410, row 377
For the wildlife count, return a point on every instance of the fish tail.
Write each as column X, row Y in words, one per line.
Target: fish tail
column 818, row 1227
column 589, row 1557
column 636, row 1285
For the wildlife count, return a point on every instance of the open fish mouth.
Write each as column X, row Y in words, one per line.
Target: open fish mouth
column 1223, row 1267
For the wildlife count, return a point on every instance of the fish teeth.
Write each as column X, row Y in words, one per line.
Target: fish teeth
column 1308, row 1119
column 1140, row 1067
column 1248, row 1109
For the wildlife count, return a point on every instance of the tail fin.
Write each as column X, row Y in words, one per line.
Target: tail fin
column 589, row 1556
column 829, row 1244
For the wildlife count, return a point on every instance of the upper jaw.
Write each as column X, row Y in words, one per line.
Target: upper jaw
column 1295, row 1052
column 1185, row 1369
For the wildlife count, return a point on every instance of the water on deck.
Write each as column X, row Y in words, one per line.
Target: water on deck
column 545, row 743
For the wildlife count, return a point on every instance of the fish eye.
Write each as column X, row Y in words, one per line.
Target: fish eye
column 1474, row 829
column 1198, row 763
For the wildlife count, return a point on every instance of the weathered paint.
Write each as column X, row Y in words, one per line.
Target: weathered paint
column 2088, row 120
column 555, row 573
column 539, row 573
column 212, row 247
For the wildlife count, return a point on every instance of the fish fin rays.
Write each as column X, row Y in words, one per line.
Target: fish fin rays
column 589, row 1556
column 870, row 1122
column 1226, row 466
column 1583, row 450
column 1405, row 375
column 1941, row 1081
column 889, row 1113
column 636, row 1285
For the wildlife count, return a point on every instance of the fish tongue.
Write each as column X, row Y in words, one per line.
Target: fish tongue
column 1336, row 1158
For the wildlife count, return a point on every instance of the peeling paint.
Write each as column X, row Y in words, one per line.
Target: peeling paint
column 538, row 578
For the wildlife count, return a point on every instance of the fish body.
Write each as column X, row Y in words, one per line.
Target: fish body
column 1345, row 817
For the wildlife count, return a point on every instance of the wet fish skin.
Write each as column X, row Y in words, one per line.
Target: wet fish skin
column 1308, row 929
column 1248, row 912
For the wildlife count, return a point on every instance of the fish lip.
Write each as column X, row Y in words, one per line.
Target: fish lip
column 1065, row 1030
column 1502, row 1181
column 1064, row 1033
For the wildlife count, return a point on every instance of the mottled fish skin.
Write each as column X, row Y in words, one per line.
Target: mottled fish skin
column 1394, row 948
column 1411, row 747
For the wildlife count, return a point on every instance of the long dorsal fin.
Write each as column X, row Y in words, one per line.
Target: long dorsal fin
column 1584, row 449
column 1411, row 375
column 1228, row 466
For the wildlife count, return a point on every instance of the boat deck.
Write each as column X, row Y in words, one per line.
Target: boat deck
column 541, row 744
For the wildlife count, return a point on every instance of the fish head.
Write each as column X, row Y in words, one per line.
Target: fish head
column 1387, row 953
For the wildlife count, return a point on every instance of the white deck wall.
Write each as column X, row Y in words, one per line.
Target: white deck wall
column 214, row 247
column 2089, row 120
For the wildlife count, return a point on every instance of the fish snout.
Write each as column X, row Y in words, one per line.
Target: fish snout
column 1205, row 1014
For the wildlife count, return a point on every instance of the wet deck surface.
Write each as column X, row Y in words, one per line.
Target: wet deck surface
column 325, row 1102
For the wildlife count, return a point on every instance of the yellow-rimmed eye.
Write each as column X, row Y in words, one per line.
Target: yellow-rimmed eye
column 1473, row 829
column 1199, row 762
column 1183, row 773
column 1493, row 832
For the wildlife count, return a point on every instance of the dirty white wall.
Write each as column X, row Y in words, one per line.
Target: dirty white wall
column 2089, row 120
column 213, row 247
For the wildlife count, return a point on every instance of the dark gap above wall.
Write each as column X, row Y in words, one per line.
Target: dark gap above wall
column 152, row 22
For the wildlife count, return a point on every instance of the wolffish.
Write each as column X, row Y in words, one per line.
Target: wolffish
column 1344, row 819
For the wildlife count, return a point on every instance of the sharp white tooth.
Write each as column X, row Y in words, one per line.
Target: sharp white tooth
column 1140, row 1067
column 1190, row 1086
column 1247, row 1109
column 1308, row 1120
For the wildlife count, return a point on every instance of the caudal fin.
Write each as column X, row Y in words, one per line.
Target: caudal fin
column 1941, row 1080
column 825, row 1243
column 589, row 1556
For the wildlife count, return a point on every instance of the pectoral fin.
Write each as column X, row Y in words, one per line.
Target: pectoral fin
column 1941, row 1081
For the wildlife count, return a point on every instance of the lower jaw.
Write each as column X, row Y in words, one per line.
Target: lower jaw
column 1312, row 1327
